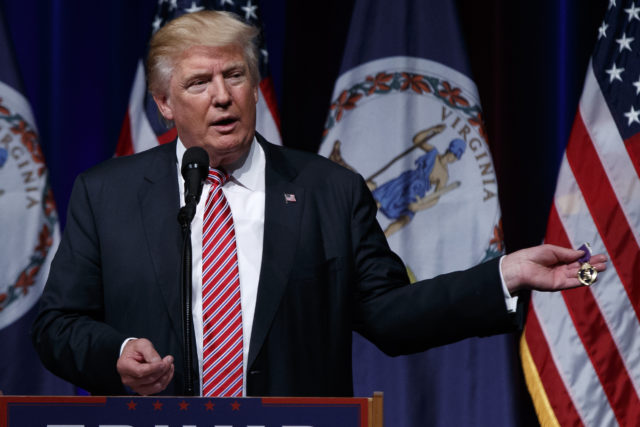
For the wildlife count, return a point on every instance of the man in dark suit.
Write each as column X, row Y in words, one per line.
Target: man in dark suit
column 313, row 263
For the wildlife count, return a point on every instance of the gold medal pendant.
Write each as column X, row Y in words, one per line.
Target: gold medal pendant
column 587, row 274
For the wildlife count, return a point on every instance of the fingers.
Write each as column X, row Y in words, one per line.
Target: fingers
column 562, row 254
column 142, row 349
column 142, row 369
column 149, row 352
column 599, row 262
column 153, row 385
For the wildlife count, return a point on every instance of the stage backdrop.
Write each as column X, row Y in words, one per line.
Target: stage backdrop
column 78, row 60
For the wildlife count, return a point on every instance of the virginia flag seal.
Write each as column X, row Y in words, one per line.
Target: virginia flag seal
column 413, row 129
column 29, row 232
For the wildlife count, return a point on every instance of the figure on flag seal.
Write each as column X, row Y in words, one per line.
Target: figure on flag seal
column 400, row 198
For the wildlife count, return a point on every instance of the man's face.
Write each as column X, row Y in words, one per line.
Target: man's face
column 212, row 101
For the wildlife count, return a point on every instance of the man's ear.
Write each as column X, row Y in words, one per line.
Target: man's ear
column 164, row 106
column 255, row 93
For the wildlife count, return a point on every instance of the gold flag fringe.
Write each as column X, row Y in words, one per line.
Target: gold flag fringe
column 545, row 413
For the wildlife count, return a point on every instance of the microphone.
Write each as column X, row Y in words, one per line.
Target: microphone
column 195, row 168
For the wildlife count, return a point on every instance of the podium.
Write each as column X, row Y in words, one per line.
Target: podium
column 96, row 411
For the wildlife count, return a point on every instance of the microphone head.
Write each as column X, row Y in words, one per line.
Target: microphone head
column 195, row 168
column 195, row 158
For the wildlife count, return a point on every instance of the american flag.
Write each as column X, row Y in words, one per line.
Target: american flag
column 581, row 348
column 142, row 127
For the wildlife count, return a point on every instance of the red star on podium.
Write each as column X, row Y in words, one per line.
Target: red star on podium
column 132, row 405
column 209, row 405
column 157, row 405
column 235, row 406
column 184, row 406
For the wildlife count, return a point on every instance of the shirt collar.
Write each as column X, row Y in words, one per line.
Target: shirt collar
column 248, row 172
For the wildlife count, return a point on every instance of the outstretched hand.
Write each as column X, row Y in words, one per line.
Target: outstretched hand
column 142, row 369
column 545, row 268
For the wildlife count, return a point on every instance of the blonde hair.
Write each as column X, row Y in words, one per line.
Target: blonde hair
column 205, row 28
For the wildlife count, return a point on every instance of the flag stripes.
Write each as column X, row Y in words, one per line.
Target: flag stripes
column 268, row 117
column 136, row 134
column 632, row 145
column 607, row 213
column 596, row 339
column 581, row 348
column 546, row 387
column 612, row 300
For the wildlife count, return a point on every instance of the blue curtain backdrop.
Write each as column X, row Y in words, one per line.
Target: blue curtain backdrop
column 77, row 60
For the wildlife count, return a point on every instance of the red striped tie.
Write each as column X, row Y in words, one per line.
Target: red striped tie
column 221, row 311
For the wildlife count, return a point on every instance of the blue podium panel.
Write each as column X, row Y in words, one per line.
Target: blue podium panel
column 31, row 411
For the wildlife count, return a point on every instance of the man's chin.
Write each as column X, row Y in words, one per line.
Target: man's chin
column 224, row 154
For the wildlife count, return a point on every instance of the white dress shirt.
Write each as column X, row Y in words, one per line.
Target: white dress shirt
column 245, row 194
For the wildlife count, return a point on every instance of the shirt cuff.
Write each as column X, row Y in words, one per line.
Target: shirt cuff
column 133, row 338
column 510, row 301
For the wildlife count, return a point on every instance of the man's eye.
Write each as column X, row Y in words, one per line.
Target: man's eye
column 236, row 75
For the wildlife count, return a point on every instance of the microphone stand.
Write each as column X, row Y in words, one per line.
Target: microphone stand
column 185, row 216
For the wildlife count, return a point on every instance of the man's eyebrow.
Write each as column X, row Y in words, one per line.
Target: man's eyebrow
column 234, row 66
column 198, row 74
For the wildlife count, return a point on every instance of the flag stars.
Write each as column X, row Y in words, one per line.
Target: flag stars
column 637, row 85
column 194, row 8
column 612, row 3
column 250, row 11
column 632, row 116
column 157, row 23
column 624, row 42
column 173, row 4
column 633, row 12
column 602, row 31
column 614, row 73
column 229, row 2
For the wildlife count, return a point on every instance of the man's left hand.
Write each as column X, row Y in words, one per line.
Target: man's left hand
column 546, row 268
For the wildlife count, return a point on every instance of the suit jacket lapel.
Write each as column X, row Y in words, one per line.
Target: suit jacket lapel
column 281, row 230
column 159, row 204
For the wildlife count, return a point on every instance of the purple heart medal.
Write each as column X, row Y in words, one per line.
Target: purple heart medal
column 587, row 274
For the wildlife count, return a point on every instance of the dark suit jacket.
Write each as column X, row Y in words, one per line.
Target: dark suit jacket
column 326, row 270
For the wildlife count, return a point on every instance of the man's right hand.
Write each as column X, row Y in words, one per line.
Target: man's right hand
column 142, row 369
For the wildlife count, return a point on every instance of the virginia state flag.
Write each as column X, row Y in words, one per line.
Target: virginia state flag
column 406, row 116
column 29, row 235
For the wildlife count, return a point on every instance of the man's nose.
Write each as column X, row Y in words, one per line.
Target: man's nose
column 220, row 96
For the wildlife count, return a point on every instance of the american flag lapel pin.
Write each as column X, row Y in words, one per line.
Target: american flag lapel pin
column 289, row 198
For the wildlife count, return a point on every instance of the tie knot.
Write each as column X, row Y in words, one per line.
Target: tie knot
column 217, row 177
